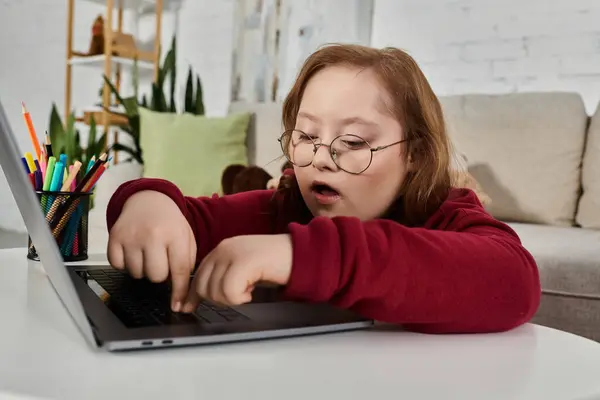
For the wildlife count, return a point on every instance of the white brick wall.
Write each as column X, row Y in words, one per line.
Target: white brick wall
column 498, row 46
column 32, row 61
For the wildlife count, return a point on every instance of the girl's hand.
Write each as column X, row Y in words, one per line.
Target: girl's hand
column 154, row 244
column 227, row 275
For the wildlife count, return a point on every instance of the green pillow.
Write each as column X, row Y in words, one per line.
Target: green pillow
column 192, row 150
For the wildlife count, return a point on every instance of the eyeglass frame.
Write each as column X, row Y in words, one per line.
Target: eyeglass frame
column 318, row 145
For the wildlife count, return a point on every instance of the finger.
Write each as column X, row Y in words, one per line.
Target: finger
column 238, row 284
column 214, row 289
column 114, row 253
column 199, row 290
column 192, row 299
column 155, row 263
column 180, row 269
column 134, row 262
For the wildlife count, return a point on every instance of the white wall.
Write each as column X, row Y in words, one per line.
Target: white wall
column 32, row 62
column 310, row 24
column 498, row 46
column 304, row 26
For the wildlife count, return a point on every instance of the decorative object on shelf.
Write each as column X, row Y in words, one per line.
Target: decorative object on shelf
column 97, row 41
column 123, row 44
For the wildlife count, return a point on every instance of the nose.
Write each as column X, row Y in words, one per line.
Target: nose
column 322, row 159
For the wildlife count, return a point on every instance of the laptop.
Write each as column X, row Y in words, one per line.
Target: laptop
column 115, row 312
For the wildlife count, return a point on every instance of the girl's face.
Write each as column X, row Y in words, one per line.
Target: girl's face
column 347, row 101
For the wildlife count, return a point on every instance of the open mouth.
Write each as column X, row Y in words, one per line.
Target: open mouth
column 324, row 193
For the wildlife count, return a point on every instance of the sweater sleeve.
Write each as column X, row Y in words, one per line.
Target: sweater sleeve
column 212, row 219
column 468, row 275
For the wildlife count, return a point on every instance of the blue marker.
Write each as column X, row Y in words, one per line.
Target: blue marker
column 27, row 171
column 59, row 170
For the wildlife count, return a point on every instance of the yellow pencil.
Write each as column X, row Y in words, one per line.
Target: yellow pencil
column 30, row 162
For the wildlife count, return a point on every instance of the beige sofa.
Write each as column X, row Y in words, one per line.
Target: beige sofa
column 537, row 155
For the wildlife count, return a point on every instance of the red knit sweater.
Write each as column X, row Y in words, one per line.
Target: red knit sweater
column 461, row 272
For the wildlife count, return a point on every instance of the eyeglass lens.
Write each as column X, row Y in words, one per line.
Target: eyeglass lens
column 350, row 153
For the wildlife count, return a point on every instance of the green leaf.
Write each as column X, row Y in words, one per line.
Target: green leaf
column 135, row 77
column 166, row 68
column 77, row 150
column 113, row 89
column 99, row 146
column 131, row 106
column 199, row 102
column 71, row 138
column 173, row 75
column 56, row 131
column 91, row 145
column 189, row 93
column 136, row 155
column 159, row 103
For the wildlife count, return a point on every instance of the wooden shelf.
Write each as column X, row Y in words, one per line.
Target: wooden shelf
column 142, row 6
column 126, row 4
column 98, row 61
column 120, row 51
column 113, row 119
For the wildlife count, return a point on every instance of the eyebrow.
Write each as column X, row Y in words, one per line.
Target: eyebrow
column 345, row 121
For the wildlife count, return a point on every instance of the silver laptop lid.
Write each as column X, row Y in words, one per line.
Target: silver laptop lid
column 29, row 206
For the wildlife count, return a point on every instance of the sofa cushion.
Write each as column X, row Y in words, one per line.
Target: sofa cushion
column 569, row 263
column 588, row 215
column 264, row 130
column 568, row 258
column 524, row 149
column 192, row 150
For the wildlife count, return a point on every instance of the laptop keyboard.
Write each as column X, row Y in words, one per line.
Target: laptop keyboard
column 141, row 303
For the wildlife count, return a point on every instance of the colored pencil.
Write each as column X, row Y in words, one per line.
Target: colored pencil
column 66, row 209
column 39, row 180
column 32, row 134
column 48, row 146
column 30, row 162
column 60, row 220
column 24, row 160
column 32, row 179
column 73, row 171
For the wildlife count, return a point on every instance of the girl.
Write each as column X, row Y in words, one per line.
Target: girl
column 368, row 220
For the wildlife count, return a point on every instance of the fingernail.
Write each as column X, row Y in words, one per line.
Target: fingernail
column 177, row 306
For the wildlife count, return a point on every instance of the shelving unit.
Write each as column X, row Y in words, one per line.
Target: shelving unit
column 109, row 62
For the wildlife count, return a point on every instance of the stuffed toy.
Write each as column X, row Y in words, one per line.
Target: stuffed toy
column 238, row 178
column 97, row 42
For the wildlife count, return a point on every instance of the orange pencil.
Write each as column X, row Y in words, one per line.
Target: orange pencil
column 32, row 134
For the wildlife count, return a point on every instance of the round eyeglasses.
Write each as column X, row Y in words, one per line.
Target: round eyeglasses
column 350, row 153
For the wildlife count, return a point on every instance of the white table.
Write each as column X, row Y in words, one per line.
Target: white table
column 42, row 355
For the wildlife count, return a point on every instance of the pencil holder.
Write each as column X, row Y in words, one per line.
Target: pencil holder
column 67, row 215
